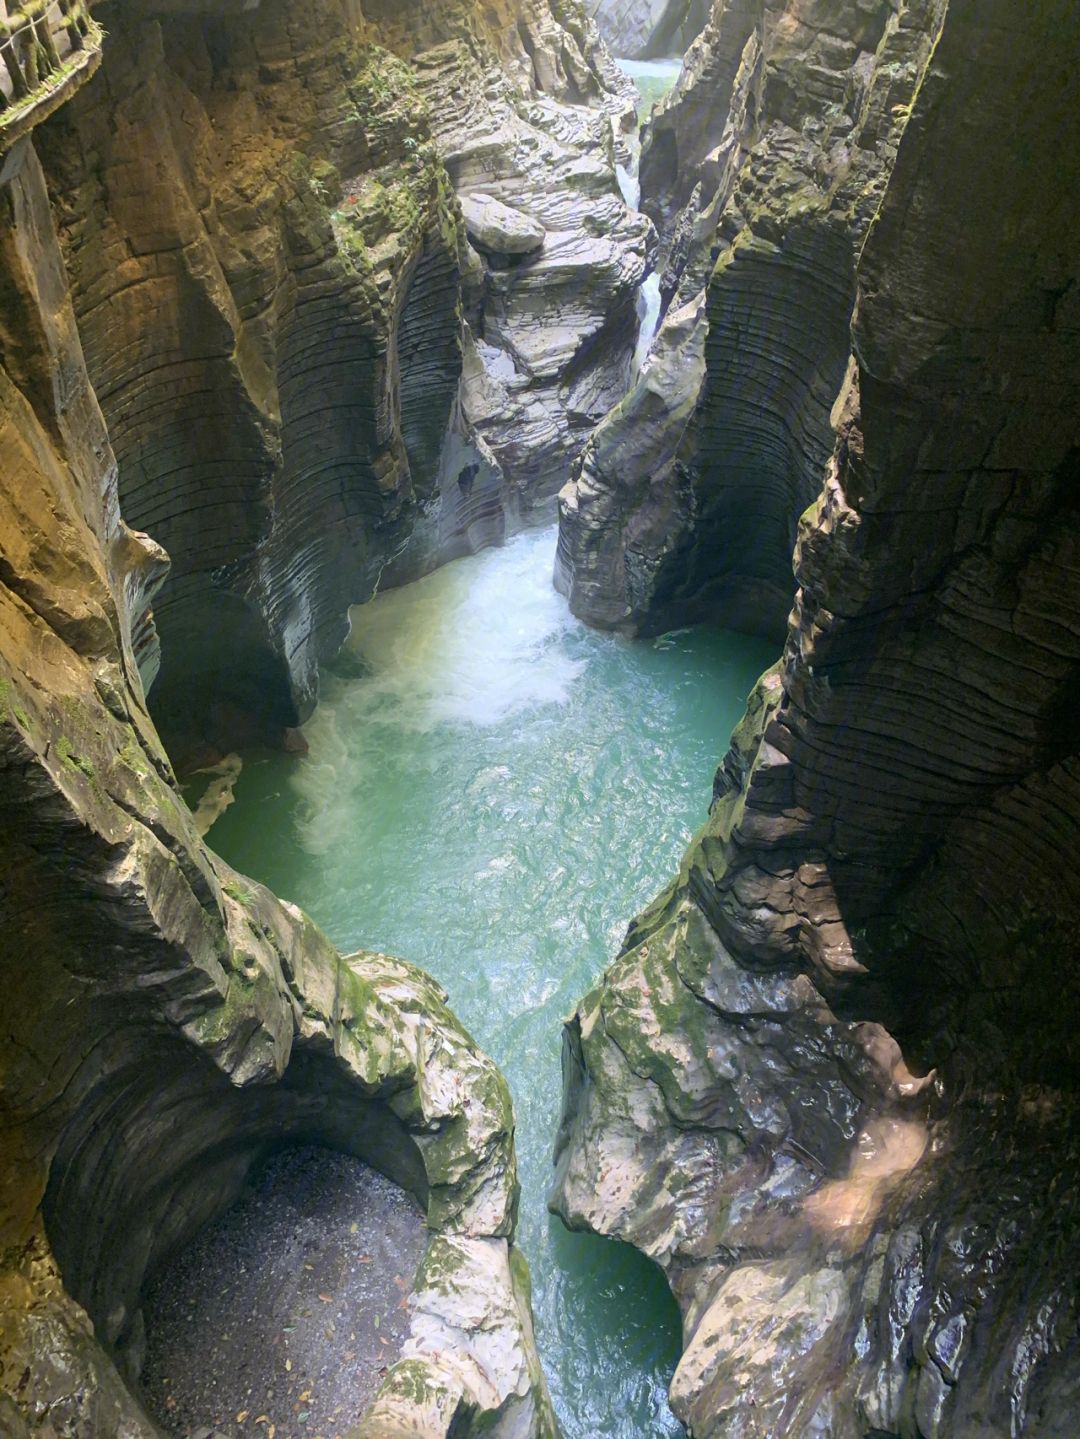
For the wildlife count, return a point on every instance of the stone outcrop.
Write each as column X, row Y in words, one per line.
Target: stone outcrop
column 499, row 229
column 551, row 327
column 830, row 1083
column 166, row 1021
column 641, row 29
column 763, row 170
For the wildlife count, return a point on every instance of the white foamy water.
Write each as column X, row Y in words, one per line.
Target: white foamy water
column 477, row 648
column 648, row 308
column 459, row 648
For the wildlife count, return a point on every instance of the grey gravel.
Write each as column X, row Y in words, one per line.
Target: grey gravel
column 281, row 1318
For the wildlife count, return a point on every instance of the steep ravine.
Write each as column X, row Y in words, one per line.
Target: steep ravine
column 270, row 274
column 164, row 1019
column 321, row 298
column 490, row 789
column 763, row 171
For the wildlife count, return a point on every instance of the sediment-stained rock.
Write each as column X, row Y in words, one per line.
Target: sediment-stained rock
column 830, row 1083
column 165, row 1021
column 763, row 170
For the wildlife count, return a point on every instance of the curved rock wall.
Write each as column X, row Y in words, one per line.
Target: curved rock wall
column 164, row 1020
column 862, row 1243
column 246, row 272
column 763, row 170
column 269, row 270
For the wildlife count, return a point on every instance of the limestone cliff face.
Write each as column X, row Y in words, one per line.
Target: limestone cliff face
column 830, row 1083
column 165, row 1020
column 270, row 271
column 530, row 116
column 252, row 276
column 763, row 170
column 640, row 29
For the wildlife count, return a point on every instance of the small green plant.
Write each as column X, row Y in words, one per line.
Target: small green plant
column 237, row 892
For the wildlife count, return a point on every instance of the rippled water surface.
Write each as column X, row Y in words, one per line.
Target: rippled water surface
column 492, row 791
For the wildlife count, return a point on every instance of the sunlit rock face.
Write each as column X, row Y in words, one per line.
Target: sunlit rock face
column 270, row 272
column 830, row 1082
column 641, row 29
column 260, row 238
column 165, row 1021
column 763, row 171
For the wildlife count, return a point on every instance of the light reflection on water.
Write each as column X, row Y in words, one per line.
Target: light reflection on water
column 492, row 791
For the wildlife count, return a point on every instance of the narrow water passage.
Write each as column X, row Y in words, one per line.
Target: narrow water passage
column 492, row 791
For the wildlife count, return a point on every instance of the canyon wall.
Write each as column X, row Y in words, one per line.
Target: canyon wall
column 165, row 1021
column 643, row 29
column 763, row 170
column 229, row 312
column 303, row 360
column 830, row 1082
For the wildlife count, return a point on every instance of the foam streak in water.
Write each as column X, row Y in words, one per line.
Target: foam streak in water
column 648, row 320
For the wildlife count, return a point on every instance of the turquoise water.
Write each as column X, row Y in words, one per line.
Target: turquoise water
column 653, row 78
column 492, row 791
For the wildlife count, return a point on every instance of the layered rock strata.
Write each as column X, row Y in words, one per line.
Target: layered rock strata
column 763, row 170
column 165, row 1021
column 550, row 287
column 830, row 1083
column 269, row 268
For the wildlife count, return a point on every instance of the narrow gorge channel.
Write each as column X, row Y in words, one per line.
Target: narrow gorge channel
column 491, row 789
column 539, row 746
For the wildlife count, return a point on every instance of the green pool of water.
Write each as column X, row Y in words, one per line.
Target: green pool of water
column 653, row 78
column 492, row 791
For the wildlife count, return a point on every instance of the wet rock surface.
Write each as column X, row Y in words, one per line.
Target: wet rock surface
column 284, row 1316
column 762, row 171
